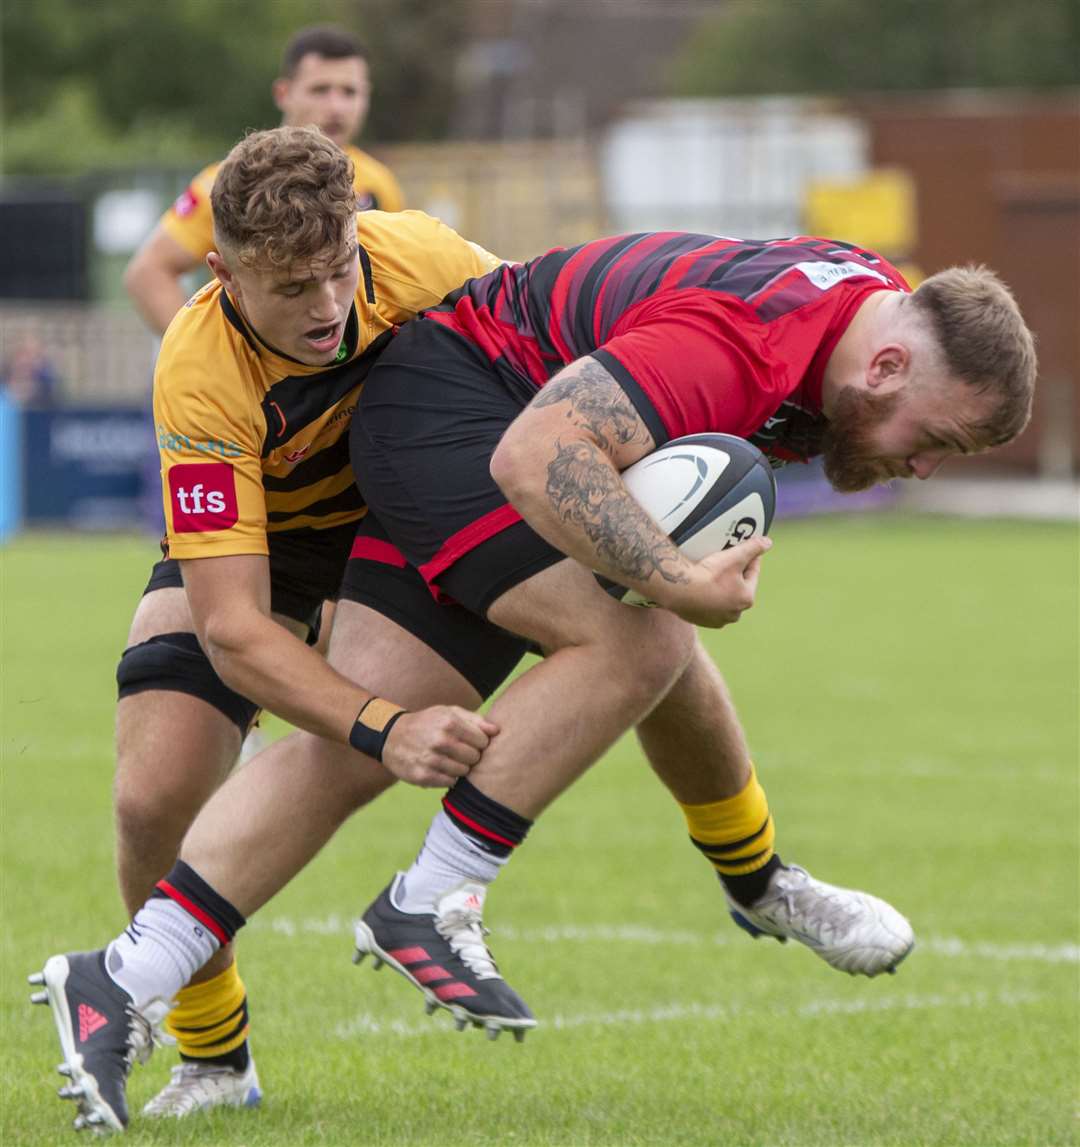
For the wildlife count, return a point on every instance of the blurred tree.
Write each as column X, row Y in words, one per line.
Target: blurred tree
column 121, row 82
column 757, row 47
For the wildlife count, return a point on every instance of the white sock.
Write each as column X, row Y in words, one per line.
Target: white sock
column 159, row 951
column 448, row 858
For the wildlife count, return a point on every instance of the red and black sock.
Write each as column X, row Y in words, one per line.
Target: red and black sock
column 188, row 889
column 497, row 829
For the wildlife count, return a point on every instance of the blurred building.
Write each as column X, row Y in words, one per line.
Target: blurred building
column 553, row 69
column 997, row 179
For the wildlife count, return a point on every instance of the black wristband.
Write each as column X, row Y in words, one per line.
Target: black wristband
column 372, row 726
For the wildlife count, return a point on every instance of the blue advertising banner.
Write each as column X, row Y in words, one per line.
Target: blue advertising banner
column 11, row 508
column 84, row 467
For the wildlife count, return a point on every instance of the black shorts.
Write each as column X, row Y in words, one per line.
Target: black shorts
column 379, row 577
column 306, row 568
column 430, row 415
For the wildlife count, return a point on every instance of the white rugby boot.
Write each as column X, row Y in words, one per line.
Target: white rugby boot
column 201, row 1086
column 853, row 931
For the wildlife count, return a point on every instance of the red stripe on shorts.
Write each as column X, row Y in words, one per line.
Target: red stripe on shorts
column 459, row 544
column 376, row 550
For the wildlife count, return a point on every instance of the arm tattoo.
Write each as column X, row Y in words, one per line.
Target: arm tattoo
column 597, row 404
column 584, row 490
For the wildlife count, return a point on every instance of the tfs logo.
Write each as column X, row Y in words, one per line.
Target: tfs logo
column 203, row 496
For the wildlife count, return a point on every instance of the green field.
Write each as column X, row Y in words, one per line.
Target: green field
column 910, row 689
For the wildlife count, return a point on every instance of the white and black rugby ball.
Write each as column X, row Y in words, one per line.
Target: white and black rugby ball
column 707, row 492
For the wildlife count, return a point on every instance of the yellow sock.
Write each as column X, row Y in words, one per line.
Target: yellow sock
column 736, row 834
column 211, row 1018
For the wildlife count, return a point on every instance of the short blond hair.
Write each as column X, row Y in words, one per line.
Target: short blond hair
column 985, row 342
column 283, row 195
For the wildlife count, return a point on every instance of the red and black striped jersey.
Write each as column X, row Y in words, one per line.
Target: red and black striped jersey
column 703, row 333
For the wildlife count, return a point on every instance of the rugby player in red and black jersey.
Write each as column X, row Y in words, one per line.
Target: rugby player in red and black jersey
column 488, row 442
column 493, row 432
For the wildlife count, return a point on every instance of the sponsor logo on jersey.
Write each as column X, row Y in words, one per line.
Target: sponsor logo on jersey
column 343, row 412
column 296, row 455
column 186, row 202
column 203, row 497
column 825, row 275
column 172, row 440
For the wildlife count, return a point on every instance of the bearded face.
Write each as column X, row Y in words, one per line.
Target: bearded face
column 853, row 458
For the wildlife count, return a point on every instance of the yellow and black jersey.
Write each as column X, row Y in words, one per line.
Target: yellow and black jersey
column 252, row 441
column 191, row 223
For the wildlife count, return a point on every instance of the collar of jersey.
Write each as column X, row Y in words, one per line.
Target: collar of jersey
column 261, row 347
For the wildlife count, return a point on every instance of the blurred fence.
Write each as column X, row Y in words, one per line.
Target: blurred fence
column 101, row 353
column 518, row 199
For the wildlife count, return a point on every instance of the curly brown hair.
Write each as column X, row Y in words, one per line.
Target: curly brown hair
column 985, row 343
column 283, row 195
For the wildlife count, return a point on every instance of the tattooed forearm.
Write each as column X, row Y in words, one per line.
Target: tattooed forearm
column 597, row 403
column 584, row 489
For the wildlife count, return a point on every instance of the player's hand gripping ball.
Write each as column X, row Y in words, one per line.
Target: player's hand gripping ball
column 707, row 492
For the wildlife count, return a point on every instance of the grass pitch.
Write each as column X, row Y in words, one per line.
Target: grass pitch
column 910, row 689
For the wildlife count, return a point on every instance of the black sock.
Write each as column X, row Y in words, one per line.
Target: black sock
column 238, row 1059
column 746, row 889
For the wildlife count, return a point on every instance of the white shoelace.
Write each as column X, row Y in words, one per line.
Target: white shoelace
column 464, row 931
column 140, row 1041
column 189, row 1087
column 810, row 911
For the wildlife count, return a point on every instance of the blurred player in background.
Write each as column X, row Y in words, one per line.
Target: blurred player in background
column 877, row 379
column 324, row 82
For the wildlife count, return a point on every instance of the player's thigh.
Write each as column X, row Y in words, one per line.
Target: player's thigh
column 387, row 659
column 393, row 637
column 160, row 611
column 563, row 605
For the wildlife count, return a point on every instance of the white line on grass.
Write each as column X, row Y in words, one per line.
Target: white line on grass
column 366, row 1024
column 946, row 946
column 985, row 950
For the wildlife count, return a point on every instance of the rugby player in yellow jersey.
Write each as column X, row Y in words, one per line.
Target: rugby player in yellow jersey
column 255, row 387
column 324, row 81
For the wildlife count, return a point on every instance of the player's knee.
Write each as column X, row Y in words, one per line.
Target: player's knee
column 176, row 662
column 658, row 653
column 646, row 652
column 151, row 813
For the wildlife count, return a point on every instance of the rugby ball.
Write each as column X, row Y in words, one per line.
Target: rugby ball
column 707, row 492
